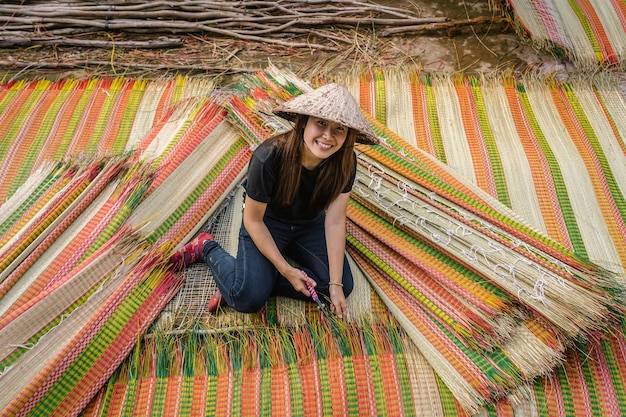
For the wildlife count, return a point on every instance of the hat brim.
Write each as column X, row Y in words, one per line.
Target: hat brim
column 366, row 138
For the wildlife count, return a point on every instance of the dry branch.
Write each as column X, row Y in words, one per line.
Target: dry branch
column 448, row 25
column 24, row 42
column 255, row 21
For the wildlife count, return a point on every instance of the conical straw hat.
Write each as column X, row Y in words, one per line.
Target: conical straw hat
column 331, row 102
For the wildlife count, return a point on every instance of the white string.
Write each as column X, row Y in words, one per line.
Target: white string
column 507, row 266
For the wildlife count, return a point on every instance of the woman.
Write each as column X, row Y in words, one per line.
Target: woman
column 297, row 193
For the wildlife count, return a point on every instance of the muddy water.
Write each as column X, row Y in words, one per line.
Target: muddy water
column 479, row 49
column 464, row 49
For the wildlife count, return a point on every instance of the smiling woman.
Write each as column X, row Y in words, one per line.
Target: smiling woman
column 297, row 192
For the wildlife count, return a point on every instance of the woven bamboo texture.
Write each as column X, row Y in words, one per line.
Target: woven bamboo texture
column 589, row 33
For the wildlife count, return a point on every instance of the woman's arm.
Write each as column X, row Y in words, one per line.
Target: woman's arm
column 335, row 227
column 253, row 213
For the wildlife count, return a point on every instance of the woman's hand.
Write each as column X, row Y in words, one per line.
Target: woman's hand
column 298, row 279
column 338, row 304
column 253, row 214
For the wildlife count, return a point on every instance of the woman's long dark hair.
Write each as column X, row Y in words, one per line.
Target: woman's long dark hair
column 334, row 172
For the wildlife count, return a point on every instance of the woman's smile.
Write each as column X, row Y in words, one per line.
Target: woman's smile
column 324, row 146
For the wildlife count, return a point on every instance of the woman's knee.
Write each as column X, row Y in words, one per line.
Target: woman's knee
column 249, row 306
column 252, row 295
column 347, row 279
column 348, row 285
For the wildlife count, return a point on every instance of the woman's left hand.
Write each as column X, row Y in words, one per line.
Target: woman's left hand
column 338, row 304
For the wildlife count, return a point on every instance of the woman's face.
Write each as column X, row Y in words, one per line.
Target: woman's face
column 322, row 138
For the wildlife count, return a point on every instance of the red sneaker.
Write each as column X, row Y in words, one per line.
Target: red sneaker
column 215, row 302
column 191, row 252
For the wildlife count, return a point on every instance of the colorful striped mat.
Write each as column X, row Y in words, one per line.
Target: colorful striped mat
column 551, row 151
column 526, row 173
column 590, row 33
column 267, row 370
column 84, row 239
column 45, row 120
column 554, row 152
column 452, row 263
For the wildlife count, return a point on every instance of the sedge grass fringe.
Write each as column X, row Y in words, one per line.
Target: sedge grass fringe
column 281, row 371
column 539, row 281
column 590, row 33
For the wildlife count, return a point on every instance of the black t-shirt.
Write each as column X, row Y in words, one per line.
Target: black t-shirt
column 263, row 176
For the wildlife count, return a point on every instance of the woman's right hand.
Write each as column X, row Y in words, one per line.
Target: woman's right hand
column 253, row 214
column 298, row 280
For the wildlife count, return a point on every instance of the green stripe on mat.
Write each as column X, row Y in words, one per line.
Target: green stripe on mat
column 495, row 162
column 555, row 174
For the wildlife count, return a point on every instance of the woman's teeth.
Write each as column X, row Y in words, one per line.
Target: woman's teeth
column 323, row 145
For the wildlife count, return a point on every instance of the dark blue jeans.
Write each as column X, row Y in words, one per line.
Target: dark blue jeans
column 247, row 281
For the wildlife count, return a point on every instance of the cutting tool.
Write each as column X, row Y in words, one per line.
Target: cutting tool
column 320, row 306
